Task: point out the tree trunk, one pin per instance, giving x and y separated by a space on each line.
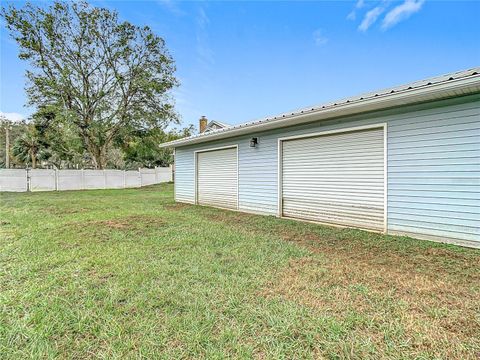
97 152
99 155
34 160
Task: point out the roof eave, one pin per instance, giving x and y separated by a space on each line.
439 91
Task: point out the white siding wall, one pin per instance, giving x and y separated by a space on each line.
433 167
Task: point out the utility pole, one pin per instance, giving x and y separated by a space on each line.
7 146
4 122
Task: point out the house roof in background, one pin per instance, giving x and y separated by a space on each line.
440 87
218 123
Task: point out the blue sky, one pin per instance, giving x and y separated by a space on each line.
240 61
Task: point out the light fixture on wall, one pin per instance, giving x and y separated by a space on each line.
253 142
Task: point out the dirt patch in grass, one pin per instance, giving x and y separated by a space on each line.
233 218
155 187
100 277
121 224
176 206
54 210
135 224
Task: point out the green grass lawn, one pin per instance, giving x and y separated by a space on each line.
129 273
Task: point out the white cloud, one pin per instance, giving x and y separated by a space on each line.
171 6
360 4
352 15
319 38
204 51
401 12
12 116
370 17
202 18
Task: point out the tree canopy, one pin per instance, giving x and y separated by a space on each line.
105 82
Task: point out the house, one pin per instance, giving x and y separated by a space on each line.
208 127
404 160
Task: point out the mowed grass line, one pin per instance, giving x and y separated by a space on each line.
131 274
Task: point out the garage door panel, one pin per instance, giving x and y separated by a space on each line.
338 193
352 180
338 152
338 162
332 187
336 141
217 178
336 178
339 219
310 204
351 208
334 149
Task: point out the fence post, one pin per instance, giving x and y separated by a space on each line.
56 179
83 179
124 179
156 175
140 175
104 179
171 172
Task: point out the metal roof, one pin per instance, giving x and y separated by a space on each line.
450 85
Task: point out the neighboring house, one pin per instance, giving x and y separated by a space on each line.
208 127
215 125
405 160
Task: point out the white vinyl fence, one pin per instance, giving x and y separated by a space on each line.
51 180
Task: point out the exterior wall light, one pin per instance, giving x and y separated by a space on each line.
253 142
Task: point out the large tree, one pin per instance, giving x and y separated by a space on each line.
142 147
103 74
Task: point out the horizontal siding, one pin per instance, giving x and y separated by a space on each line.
435 189
433 167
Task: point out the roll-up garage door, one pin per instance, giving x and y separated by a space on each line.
217 178
336 178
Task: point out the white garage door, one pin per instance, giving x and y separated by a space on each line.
337 178
217 178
